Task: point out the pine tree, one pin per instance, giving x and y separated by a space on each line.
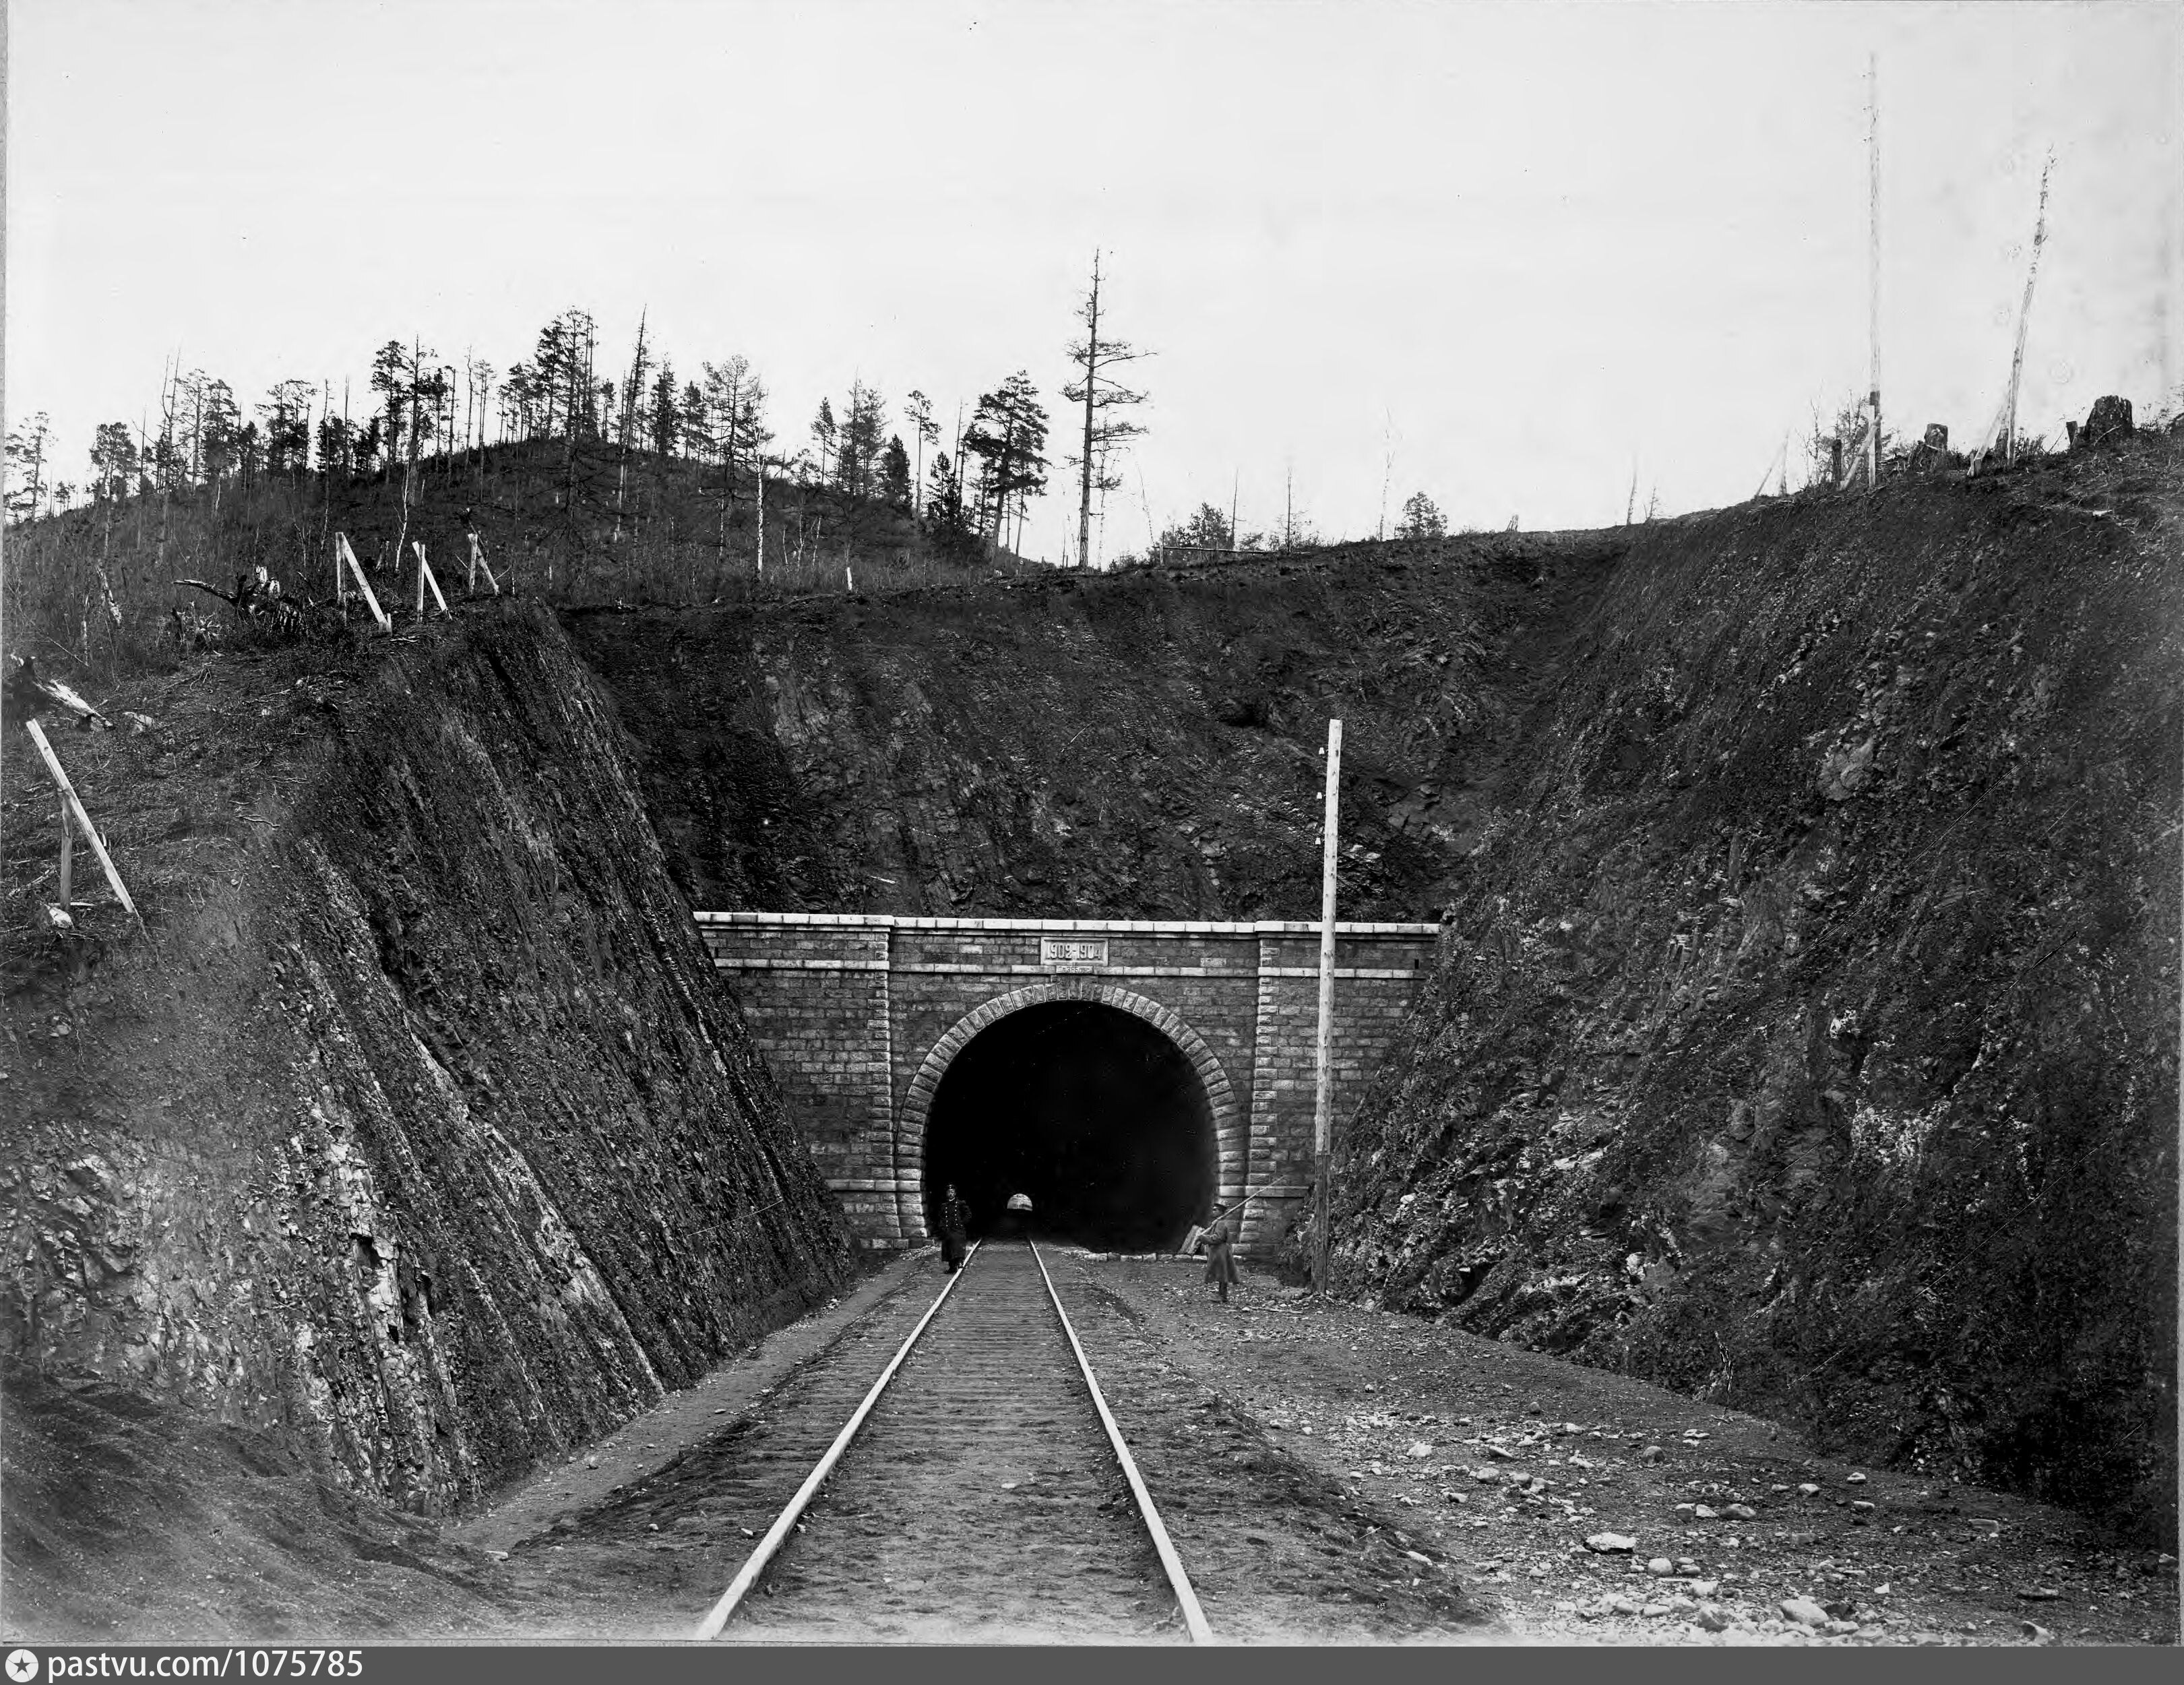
1421 519
857 453
919 408
219 429
697 435
947 524
113 461
392 375
287 413
894 483
1008 436
1208 529
667 416
27 448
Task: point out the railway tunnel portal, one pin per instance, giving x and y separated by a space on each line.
1127 1075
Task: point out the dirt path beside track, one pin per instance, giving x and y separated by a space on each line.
1506 1462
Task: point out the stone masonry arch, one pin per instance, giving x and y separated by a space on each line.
857 1014
1228 1121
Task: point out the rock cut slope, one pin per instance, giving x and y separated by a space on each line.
1808 1037
416 1128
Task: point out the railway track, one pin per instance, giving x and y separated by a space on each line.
980 1489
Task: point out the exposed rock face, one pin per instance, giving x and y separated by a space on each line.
422 1130
1810 1043
1144 747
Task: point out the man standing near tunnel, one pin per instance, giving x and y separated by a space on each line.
955 1226
1221 1255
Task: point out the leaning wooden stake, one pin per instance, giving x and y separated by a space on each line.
426 576
1323 1106
67 864
478 566
2023 317
82 818
356 569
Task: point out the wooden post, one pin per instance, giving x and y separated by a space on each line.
1323 1106
386 620
67 844
427 576
75 805
2024 316
478 564
1873 275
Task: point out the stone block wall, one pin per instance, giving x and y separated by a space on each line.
858 1015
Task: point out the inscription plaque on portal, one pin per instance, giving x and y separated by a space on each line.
1073 953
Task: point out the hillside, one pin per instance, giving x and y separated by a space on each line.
570 524
1808 1041
413 1127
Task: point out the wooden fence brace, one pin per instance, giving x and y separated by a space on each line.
67 866
478 561
82 818
427 576
386 620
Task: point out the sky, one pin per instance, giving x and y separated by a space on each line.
1518 257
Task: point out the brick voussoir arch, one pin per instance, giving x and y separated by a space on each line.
1228 1122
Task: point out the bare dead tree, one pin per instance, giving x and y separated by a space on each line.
1098 392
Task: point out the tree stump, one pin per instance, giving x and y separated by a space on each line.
2110 420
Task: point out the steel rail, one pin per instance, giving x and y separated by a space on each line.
1194 1617
710 1627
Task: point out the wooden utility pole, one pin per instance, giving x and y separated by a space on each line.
1323 1105
1873 267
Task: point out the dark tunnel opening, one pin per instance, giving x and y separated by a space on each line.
1092 1113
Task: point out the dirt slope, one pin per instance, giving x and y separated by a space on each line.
1809 1039
414 1127
1144 746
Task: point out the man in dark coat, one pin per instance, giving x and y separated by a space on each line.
955 1227
1221 1257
